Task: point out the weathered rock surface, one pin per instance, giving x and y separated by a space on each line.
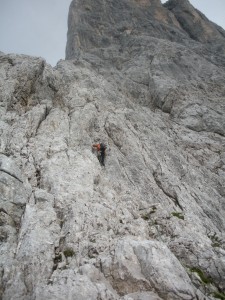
195 23
148 226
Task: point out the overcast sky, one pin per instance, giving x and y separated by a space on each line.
39 27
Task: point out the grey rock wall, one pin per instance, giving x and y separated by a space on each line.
195 23
148 225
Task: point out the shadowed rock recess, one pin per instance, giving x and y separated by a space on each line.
148 80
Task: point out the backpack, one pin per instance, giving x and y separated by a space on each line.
102 147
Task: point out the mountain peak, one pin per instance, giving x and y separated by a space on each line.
105 24
194 22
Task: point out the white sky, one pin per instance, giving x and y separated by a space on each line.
39 27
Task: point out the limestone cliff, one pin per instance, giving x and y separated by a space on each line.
148 80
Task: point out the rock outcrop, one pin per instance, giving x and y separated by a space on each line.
150 225
195 23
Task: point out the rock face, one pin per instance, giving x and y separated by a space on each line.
195 23
150 225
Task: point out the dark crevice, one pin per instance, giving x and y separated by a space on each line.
12 175
37 173
38 177
4 211
46 113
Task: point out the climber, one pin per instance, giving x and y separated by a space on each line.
100 147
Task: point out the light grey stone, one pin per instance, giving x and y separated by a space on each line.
148 265
9 167
142 296
148 225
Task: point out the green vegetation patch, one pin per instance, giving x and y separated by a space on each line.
219 295
203 277
216 241
153 210
147 215
178 215
69 252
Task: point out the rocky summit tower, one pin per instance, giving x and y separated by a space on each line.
147 80
118 25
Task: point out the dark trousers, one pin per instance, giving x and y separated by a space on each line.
101 158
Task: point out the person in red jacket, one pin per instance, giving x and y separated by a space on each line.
100 147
